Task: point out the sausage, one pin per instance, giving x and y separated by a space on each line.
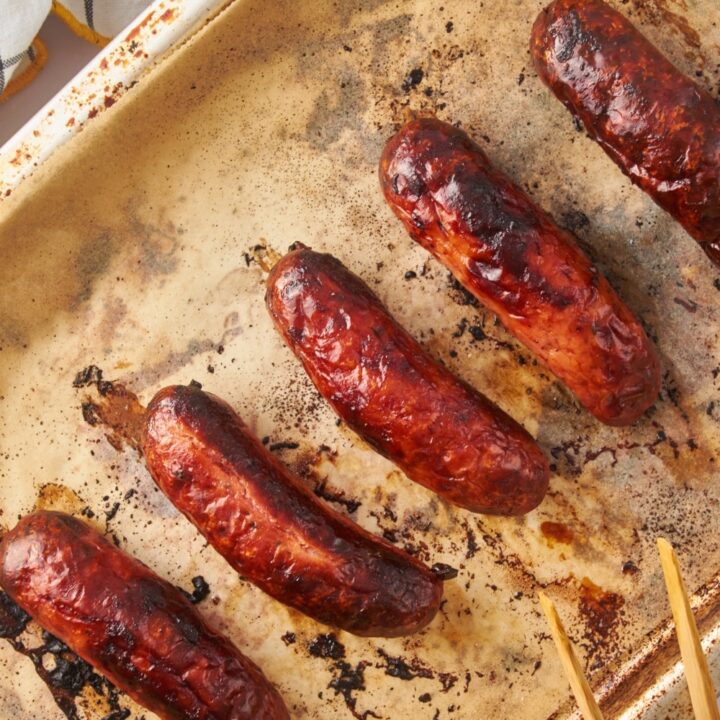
661 128
272 529
513 258
135 628
437 429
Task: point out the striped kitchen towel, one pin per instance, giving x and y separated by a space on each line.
98 20
22 53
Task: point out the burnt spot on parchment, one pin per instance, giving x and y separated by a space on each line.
156 243
557 532
326 646
346 11
575 221
294 406
444 571
306 465
338 497
602 614
413 79
13 619
148 247
112 406
92 261
154 372
114 312
337 123
337 110
69 679
60 498
459 294
346 680
200 590
289 638
414 532
403 668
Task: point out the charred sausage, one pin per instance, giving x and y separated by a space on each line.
272 529
661 128
441 432
132 626
513 257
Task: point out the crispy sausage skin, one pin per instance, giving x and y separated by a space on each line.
661 128
441 432
514 258
135 628
272 529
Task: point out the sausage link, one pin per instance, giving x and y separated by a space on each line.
659 126
441 432
272 529
514 258
132 626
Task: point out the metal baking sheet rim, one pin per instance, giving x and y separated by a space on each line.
655 671
97 87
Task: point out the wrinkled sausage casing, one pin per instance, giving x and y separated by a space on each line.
659 126
135 628
441 432
514 258
272 529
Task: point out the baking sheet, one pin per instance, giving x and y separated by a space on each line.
136 248
99 84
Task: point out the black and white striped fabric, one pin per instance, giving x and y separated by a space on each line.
105 17
20 21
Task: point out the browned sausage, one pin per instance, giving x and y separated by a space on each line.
511 255
272 529
132 626
441 432
661 128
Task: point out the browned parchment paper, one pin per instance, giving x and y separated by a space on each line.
135 248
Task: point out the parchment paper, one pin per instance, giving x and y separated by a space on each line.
135 248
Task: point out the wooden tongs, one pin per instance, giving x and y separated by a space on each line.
702 691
